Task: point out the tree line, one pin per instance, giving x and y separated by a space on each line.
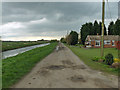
96 28
92 29
114 28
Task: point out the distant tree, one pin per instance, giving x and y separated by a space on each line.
111 28
41 40
80 41
91 29
100 28
105 30
63 40
84 32
69 39
54 40
114 28
96 28
117 27
72 38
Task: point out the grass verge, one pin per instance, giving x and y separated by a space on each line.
14 68
87 54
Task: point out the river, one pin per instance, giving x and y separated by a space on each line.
15 52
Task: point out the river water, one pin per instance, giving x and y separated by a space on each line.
15 52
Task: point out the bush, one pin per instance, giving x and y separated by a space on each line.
96 59
109 59
63 40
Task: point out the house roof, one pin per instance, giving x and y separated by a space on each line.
98 37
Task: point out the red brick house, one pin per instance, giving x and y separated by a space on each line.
118 45
110 41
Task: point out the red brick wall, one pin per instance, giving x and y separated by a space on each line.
118 45
110 45
105 46
93 44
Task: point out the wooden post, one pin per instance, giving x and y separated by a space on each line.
102 36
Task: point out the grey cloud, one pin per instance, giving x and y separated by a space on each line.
61 16
71 11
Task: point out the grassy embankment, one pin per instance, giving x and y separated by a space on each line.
86 55
16 67
7 45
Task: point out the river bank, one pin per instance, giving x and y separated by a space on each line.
15 52
10 45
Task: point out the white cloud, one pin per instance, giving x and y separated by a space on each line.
13 25
10 29
43 20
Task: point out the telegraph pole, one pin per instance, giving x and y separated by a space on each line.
102 36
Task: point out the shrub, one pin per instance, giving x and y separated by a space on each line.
95 59
102 60
98 59
116 60
63 40
109 59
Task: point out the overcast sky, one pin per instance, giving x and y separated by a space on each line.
44 20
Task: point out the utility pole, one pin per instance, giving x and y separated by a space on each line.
67 32
102 36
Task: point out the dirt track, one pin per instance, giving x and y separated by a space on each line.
63 69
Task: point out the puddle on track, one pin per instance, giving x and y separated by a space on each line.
43 72
46 70
78 67
72 65
77 78
56 67
67 62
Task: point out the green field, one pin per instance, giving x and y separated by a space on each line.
14 68
86 56
9 45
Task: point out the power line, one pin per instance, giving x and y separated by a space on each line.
109 10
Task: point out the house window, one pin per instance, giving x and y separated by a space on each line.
88 43
107 42
113 42
97 43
